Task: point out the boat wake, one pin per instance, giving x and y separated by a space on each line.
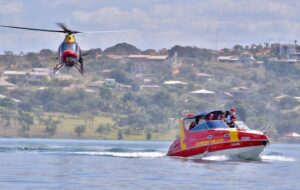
91 151
216 158
264 158
135 152
125 154
277 157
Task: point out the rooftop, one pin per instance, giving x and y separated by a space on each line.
171 82
202 91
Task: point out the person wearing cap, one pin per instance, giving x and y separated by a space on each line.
231 117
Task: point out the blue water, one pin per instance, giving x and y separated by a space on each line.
129 165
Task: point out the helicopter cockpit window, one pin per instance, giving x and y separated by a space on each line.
69 46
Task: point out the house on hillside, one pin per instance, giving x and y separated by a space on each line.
239 91
150 87
283 51
174 82
205 76
8 85
115 57
203 92
226 96
36 75
247 58
244 58
149 58
109 83
228 59
141 63
10 98
291 137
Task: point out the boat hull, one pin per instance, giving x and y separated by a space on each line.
241 149
215 137
247 144
248 153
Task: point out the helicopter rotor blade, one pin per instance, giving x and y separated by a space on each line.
35 29
66 29
106 31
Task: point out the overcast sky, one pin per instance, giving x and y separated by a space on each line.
157 23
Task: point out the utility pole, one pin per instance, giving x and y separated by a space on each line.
216 39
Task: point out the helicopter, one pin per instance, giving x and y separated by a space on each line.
69 52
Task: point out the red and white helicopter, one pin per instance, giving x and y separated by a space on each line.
69 52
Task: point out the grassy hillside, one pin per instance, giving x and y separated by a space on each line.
140 105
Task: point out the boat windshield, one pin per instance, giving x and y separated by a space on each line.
210 125
216 124
241 125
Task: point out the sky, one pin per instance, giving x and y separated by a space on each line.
157 24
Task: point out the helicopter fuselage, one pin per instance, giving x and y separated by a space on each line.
69 54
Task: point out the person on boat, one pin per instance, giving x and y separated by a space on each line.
210 117
221 116
231 117
194 123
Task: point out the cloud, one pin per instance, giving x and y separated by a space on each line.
164 23
111 17
56 3
12 7
192 22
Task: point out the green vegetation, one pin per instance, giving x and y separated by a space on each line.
70 109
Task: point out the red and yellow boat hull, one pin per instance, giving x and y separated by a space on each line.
246 144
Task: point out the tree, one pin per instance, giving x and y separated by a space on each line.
51 126
25 106
9 58
106 93
8 103
157 115
103 129
121 77
162 98
238 48
26 120
120 134
46 52
148 134
80 129
128 97
138 121
33 59
5 117
122 49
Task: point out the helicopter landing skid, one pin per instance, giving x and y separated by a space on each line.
57 67
79 68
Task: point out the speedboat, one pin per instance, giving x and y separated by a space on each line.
215 137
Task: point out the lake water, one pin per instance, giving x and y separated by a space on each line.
129 165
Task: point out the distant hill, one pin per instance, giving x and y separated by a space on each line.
94 52
122 49
192 52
